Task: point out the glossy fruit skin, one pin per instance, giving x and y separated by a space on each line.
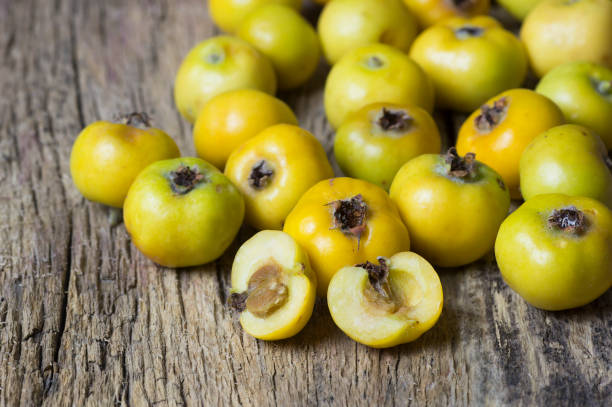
374 73
106 158
287 39
348 24
552 269
345 294
365 150
560 31
451 222
519 8
299 161
430 12
310 223
569 160
466 70
571 86
302 283
233 117
218 65
228 14
182 230
528 115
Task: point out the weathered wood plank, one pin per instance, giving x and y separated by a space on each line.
87 320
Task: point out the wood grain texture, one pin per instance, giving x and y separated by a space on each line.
86 320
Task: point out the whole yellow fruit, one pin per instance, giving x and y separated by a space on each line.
287 39
560 31
228 14
375 73
233 117
348 24
106 157
218 65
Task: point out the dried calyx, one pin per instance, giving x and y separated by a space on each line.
379 292
349 215
468 31
603 87
570 220
463 5
460 167
374 62
135 119
265 293
261 174
185 179
215 57
608 161
393 119
491 115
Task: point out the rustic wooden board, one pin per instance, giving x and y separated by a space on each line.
87 320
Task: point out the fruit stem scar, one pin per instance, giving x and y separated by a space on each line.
185 179
491 115
374 62
349 215
379 292
460 167
134 118
468 31
265 293
261 175
393 119
570 220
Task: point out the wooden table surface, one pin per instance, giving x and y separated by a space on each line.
85 319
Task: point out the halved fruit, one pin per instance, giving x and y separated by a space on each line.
388 304
273 286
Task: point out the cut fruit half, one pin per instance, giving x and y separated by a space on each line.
273 286
388 304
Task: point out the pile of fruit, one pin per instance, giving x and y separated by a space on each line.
349 238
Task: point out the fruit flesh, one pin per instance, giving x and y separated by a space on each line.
417 293
277 250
